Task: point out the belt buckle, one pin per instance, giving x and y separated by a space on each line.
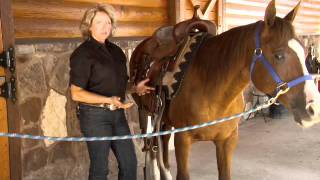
111 107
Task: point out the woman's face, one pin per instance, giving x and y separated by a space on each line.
101 27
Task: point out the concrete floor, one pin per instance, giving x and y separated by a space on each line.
277 150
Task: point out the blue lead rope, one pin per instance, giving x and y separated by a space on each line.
137 136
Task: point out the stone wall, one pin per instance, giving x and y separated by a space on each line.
46 109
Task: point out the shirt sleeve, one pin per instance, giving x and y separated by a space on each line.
80 69
126 65
123 57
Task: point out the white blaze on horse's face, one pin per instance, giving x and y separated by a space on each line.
310 90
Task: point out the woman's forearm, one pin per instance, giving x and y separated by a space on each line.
81 95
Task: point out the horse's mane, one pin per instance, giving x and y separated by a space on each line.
231 48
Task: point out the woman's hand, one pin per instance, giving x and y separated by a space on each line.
127 105
142 89
116 102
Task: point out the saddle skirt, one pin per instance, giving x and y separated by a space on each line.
173 78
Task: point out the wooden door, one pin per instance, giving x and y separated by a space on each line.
10 158
4 142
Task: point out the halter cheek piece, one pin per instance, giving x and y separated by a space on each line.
258 56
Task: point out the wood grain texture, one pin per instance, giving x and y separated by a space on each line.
41 29
65 11
10 116
307 21
4 142
208 9
140 3
60 19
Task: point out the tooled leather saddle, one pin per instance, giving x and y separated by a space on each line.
159 55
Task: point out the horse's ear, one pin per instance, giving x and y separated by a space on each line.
290 17
270 14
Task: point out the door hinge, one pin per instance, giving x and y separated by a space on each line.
8 90
7 59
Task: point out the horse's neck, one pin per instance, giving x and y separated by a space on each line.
231 58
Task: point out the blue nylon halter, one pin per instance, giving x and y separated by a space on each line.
258 56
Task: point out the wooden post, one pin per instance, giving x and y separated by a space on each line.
220 15
4 142
180 10
211 4
10 168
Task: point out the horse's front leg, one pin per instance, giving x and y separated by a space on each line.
224 153
165 172
182 143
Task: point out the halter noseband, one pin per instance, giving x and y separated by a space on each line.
258 56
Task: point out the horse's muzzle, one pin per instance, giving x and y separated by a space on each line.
313 111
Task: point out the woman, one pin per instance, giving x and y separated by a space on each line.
98 78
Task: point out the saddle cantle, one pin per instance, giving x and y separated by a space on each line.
162 53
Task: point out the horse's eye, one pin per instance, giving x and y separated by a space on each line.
279 57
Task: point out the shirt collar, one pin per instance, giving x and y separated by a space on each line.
95 42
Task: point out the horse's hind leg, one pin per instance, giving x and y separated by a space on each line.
224 152
182 143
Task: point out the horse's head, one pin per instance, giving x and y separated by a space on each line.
278 47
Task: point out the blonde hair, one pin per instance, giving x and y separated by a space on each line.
88 16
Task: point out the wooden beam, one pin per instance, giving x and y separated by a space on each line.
209 7
212 15
182 8
220 14
44 29
67 11
139 3
137 29
61 19
173 12
10 117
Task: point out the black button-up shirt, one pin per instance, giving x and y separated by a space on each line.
99 68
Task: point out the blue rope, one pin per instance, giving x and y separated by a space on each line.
136 136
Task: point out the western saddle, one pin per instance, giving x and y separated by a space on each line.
157 55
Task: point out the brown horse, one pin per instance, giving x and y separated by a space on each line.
213 85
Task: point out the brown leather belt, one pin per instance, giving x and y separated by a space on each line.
102 105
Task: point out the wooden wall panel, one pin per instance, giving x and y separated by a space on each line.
240 12
214 12
141 3
36 19
188 9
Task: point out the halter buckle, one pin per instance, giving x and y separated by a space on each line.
282 88
257 52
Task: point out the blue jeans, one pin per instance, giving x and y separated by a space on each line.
95 121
